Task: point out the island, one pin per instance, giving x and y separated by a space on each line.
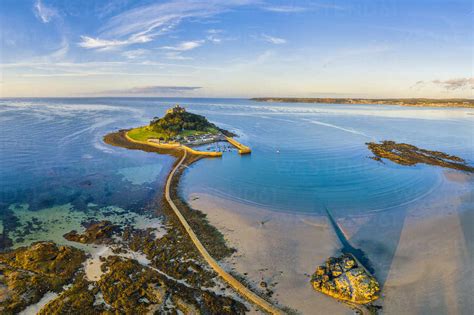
180 129
414 102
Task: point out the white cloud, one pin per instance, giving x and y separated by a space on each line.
213 36
297 9
43 12
273 40
152 20
214 31
284 9
185 46
136 53
105 44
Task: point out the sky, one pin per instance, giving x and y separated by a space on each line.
237 48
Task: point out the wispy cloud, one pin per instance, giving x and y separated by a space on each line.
185 46
149 21
136 53
284 9
273 40
46 69
456 84
104 44
302 8
213 36
43 12
449 85
153 90
60 52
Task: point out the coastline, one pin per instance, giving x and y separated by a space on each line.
409 102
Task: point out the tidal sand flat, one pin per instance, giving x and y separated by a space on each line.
276 252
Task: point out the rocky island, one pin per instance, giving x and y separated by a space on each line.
407 154
180 129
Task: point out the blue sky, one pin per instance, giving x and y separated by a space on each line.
237 48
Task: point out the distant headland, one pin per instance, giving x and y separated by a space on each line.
415 102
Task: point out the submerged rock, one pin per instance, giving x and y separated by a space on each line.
96 233
342 278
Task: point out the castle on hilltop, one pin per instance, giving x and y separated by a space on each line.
176 110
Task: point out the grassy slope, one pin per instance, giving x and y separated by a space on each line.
144 133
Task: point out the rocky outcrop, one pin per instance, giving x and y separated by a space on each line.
28 273
342 278
407 154
96 233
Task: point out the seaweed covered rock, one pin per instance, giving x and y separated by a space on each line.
343 279
133 288
80 298
28 273
407 154
96 233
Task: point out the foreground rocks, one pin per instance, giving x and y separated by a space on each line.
127 287
407 154
28 273
343 279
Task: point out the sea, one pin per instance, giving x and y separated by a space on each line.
56 171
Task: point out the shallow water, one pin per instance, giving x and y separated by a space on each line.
305 156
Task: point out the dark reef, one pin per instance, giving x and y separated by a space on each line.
407 154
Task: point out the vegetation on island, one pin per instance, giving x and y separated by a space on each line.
176 124
407 154
420 102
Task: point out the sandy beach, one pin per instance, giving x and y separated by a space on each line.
280 249
432 270
429 272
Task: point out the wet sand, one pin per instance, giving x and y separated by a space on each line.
433 268
279 249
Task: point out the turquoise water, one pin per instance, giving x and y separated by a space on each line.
305 156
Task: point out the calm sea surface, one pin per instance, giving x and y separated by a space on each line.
305 156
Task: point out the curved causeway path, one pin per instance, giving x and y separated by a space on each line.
239 287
